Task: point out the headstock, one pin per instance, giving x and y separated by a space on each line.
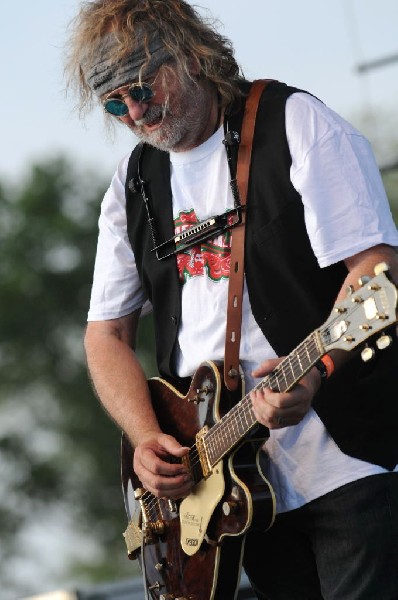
365 313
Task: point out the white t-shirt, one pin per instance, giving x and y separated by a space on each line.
346 211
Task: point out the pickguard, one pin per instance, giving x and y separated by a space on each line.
196 510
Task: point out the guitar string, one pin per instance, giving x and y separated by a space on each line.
243 408
288 364
291 363
274 381
282 371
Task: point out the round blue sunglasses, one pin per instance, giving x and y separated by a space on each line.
139 92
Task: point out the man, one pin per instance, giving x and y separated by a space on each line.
317 220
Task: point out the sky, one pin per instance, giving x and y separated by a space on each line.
313 44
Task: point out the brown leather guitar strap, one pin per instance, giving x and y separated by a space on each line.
236 275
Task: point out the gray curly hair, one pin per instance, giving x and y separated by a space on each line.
124 34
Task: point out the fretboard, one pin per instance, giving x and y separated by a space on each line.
233 426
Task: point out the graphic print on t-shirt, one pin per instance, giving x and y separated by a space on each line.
211 258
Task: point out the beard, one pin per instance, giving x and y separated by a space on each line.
181 125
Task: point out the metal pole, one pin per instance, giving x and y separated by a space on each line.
376 63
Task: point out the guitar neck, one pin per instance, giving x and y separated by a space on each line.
233 426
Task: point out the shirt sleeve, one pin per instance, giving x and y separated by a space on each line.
335 172
116 289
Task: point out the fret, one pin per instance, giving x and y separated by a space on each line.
284 368
265 383
229 430
300 361
294 366
250 419
307 352
295 372
237 426
303 359
244 424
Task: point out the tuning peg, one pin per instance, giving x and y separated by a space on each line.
380 268
367 354
383 342
375 287
363 280
382 316
349 290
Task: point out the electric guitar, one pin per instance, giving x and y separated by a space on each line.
192 549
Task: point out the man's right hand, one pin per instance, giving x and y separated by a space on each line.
156 469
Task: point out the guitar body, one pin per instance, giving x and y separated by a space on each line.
194 549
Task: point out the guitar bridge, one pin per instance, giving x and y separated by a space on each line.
152 523
203 458
153 529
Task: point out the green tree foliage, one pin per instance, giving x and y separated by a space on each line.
59 451
390 180
379 126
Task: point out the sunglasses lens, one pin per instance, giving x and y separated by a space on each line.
116 107
141 93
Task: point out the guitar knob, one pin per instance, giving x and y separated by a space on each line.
367 354
383 342
230 508
171 597
161 566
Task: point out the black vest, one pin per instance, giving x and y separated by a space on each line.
289 294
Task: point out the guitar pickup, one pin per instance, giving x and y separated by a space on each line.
199 469
201 448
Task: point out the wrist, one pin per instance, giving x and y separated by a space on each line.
325 367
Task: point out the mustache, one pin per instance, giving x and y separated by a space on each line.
154 113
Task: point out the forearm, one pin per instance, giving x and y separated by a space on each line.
119 379
121 385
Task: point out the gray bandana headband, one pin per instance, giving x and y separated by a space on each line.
105 76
